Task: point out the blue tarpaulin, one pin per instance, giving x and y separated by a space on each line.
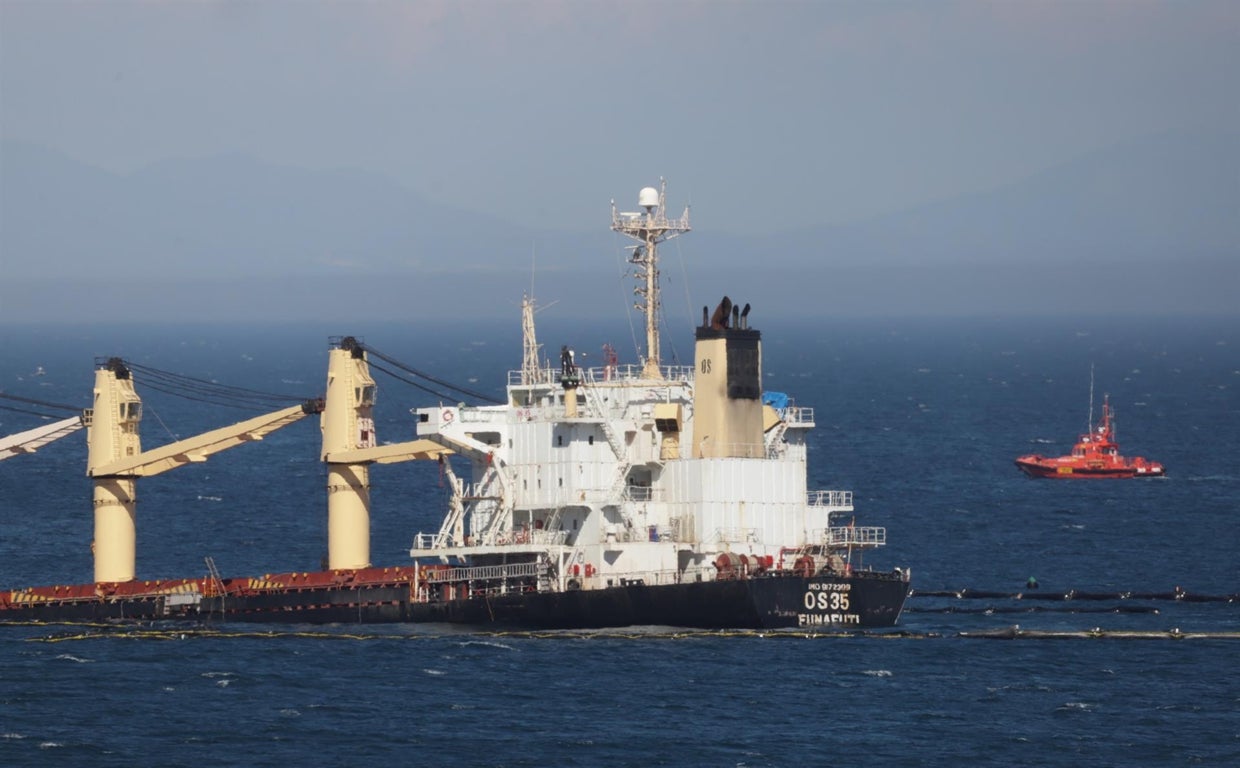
777 400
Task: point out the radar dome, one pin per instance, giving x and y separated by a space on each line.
648 197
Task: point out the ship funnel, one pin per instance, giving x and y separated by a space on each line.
727 390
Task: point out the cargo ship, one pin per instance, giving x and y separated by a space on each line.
620 495
1094 456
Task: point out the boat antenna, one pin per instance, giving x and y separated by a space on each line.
531 365
1089 426
533 265
649 229
529 342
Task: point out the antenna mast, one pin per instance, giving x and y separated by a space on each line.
1089 425
649 229
529 361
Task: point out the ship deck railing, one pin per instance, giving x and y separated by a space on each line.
607 374
643 493
536 536
605 495
433 541
796 416
486 572
176 597
615 533
841 501
484 584
852 536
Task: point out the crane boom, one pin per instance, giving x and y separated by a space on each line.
198 448
34 439
413 450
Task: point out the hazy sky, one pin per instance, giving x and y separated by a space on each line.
762 115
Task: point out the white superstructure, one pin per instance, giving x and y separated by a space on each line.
601 477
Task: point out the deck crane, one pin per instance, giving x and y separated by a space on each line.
349 447
115 460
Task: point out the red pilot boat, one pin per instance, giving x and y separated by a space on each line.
1095 455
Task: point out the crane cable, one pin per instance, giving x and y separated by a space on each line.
32 401
415 372
441 395
213 393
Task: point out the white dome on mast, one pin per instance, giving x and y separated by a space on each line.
649 230
648 198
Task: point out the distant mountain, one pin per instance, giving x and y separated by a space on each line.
1169 198
1147 227
233 215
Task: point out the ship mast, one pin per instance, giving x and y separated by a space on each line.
649 229
529 361
1089 425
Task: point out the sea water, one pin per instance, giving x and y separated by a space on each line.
921 419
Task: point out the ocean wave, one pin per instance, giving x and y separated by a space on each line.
71 657
487 643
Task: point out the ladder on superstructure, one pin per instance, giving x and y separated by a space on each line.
613 439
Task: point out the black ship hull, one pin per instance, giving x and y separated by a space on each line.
860 600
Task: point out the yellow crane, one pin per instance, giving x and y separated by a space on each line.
349 447
116 459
